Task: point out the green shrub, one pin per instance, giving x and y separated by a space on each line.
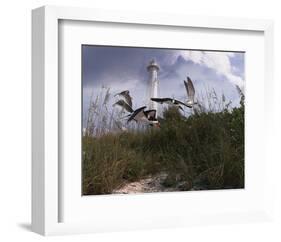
202 151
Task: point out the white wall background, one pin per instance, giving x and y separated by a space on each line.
15 127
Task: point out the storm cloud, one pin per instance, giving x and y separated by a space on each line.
124 68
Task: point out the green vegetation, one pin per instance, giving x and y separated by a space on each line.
202 151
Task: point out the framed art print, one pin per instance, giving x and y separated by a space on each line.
145 129
148 121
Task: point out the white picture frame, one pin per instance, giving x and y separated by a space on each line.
46 113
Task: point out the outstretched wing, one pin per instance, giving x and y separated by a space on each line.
161 100
128 98
189 89
121 93
124 105
150 114
180 107
182 103
137 114
126 95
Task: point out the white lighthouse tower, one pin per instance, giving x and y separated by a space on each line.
153 84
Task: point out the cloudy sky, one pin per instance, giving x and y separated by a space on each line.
124 68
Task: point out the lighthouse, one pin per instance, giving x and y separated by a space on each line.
153 84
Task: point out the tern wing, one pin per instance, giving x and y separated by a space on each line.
121 93
182 103
137 113
129 100
161 100
126 95
189 89
125 105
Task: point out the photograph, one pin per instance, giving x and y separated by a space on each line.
161 119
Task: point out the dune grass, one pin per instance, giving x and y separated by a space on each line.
202 151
